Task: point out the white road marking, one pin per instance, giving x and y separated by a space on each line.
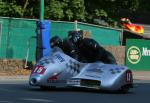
5 102
37 100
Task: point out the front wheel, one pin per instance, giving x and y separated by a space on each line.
44 87
47 87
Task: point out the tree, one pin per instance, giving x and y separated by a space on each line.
109 8
65 10
78 9
54 10
144 5
31 8
70 10
10 9
24 8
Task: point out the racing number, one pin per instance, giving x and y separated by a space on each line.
35 69
39 70
129 77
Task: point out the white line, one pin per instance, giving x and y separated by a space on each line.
38 100
5 102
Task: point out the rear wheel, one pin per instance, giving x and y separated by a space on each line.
126 88
44 87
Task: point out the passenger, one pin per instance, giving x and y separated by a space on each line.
70 49
89 50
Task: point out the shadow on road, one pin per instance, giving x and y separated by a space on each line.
38 89
138 88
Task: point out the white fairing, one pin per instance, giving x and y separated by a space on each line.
63 71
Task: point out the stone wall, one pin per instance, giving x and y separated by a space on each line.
118 52
11 64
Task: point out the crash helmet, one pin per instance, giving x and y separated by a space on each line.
75 36
56 41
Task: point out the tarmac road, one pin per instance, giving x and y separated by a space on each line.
19 91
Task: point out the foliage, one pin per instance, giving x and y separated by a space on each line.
145 5
65 9
70 10
10 9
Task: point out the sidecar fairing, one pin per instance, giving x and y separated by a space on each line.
60 70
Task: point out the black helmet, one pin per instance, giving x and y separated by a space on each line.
75 36
56 41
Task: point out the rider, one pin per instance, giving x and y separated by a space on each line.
56 41
66 45
89 50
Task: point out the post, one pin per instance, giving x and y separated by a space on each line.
43 34
76 25
41 10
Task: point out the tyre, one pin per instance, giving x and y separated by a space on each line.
47 87
125 89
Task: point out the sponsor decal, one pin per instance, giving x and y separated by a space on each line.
46 61
96 70
145 51
59 57
93 76
134 54
73 67
113 72
54 77
116 70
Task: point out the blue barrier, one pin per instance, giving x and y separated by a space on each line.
43 38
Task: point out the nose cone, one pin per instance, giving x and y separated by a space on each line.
35 80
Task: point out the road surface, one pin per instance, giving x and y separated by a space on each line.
21 92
